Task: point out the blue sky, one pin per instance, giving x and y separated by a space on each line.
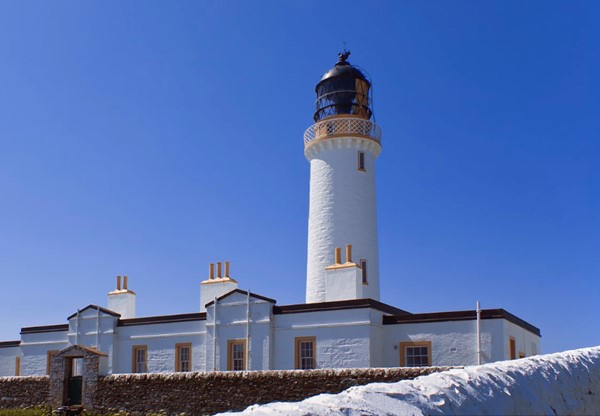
152 138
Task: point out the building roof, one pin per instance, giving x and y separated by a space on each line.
8 344
163 319
339 305
459 316
44 328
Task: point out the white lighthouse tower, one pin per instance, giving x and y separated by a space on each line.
342 147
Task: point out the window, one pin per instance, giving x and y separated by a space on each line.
363 266
139 359
305 353
18 366
183 357
512 348
77 367
236 355
361 161
415 354
49 356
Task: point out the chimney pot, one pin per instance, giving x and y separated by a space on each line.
227 269
338 255
125 282
219 274
348 253
211 272
118 282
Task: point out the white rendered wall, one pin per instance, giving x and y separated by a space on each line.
160 340
343 283
34 350
8 356
232 323
452 343
215 288
342 210
94 329
525 342
342 338
123 303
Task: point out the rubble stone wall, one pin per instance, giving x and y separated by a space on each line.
206 393
18 392
202 393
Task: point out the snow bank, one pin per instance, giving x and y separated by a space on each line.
563 383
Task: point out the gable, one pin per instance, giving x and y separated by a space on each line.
238 295
93 311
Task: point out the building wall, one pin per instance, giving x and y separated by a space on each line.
452 343
525 342
342 211
34 350
233 323
347 338
342 338
96 329
377 339
160 340
8 357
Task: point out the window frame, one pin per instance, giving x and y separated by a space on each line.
423 343
297 349
134 361
230 360
178 362
49 355
512 348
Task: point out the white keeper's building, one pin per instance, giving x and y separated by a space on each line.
341 325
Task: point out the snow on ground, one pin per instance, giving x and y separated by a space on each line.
562 383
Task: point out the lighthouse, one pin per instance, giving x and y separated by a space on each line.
342 147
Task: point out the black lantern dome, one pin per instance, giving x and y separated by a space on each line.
344 89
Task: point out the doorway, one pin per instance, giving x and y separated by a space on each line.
74 381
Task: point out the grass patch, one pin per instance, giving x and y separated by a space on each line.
24 412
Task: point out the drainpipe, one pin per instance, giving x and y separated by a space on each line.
98 329
478 334
215 337
77 328
248 356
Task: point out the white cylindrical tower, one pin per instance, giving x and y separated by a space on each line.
342 147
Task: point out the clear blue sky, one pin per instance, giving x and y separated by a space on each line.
152 138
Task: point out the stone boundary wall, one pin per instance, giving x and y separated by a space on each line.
18 392
206 393
203 393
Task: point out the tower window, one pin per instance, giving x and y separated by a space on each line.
363 266
361 161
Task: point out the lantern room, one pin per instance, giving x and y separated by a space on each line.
343 90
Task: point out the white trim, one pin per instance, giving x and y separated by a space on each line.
330 325
264 321
72 334
42 343
176 334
